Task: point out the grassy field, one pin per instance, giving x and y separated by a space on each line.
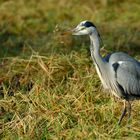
49 88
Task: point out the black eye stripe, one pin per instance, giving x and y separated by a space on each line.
88 24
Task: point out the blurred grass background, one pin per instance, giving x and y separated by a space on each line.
48 85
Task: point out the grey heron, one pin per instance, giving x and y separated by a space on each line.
118 72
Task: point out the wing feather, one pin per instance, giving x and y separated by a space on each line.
128 76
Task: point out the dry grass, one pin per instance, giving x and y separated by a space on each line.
49 88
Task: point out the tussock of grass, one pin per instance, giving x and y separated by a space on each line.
49 88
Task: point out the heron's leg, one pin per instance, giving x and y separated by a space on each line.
129 109
123 113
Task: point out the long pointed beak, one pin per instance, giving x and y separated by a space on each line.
69 32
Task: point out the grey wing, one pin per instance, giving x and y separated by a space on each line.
127 74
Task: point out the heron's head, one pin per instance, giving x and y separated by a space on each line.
84 28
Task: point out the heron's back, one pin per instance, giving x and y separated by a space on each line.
119 56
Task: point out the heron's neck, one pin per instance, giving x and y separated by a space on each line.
100 64
95 49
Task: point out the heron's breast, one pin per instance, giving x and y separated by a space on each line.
101 78
115 93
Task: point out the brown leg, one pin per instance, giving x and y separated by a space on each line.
123 113
129 109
